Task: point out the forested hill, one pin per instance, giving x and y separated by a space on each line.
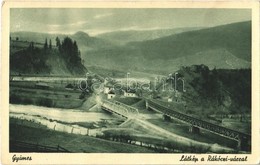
216 91
61 58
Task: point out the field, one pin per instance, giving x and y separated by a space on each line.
20 45
37 134
52 95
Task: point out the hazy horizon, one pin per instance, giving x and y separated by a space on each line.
98 21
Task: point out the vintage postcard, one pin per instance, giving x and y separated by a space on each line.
118 82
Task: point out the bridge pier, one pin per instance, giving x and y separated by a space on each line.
166 117
146 105
194 129
244 144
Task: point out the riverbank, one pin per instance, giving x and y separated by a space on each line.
70 121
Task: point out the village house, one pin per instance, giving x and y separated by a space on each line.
169 99
111 94
107 89
130 93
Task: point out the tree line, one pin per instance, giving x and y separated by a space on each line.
228 88
66 48
36 56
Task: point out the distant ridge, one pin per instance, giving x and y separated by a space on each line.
226 46
124 37
84 41
209 46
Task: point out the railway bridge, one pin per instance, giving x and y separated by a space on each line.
244 140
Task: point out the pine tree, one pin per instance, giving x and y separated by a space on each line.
58 44
45 44
50 45
69 49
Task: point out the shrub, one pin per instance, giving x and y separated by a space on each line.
14 99
45 102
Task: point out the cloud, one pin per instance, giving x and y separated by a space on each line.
95 31
99 16
138 28
79 23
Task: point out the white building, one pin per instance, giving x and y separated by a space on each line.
129 94
106 90
111 94
170 99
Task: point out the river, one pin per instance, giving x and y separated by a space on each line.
59 119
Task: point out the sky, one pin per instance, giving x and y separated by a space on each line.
97 21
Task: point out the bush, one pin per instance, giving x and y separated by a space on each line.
45 102
27 101
69 86
15 99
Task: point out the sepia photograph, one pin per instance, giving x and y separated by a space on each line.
139 80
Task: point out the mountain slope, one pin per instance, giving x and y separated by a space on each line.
89 43
225 59
217 46
236 38
123 37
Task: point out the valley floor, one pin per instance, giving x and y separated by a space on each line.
74 113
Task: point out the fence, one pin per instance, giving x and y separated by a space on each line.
19 146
